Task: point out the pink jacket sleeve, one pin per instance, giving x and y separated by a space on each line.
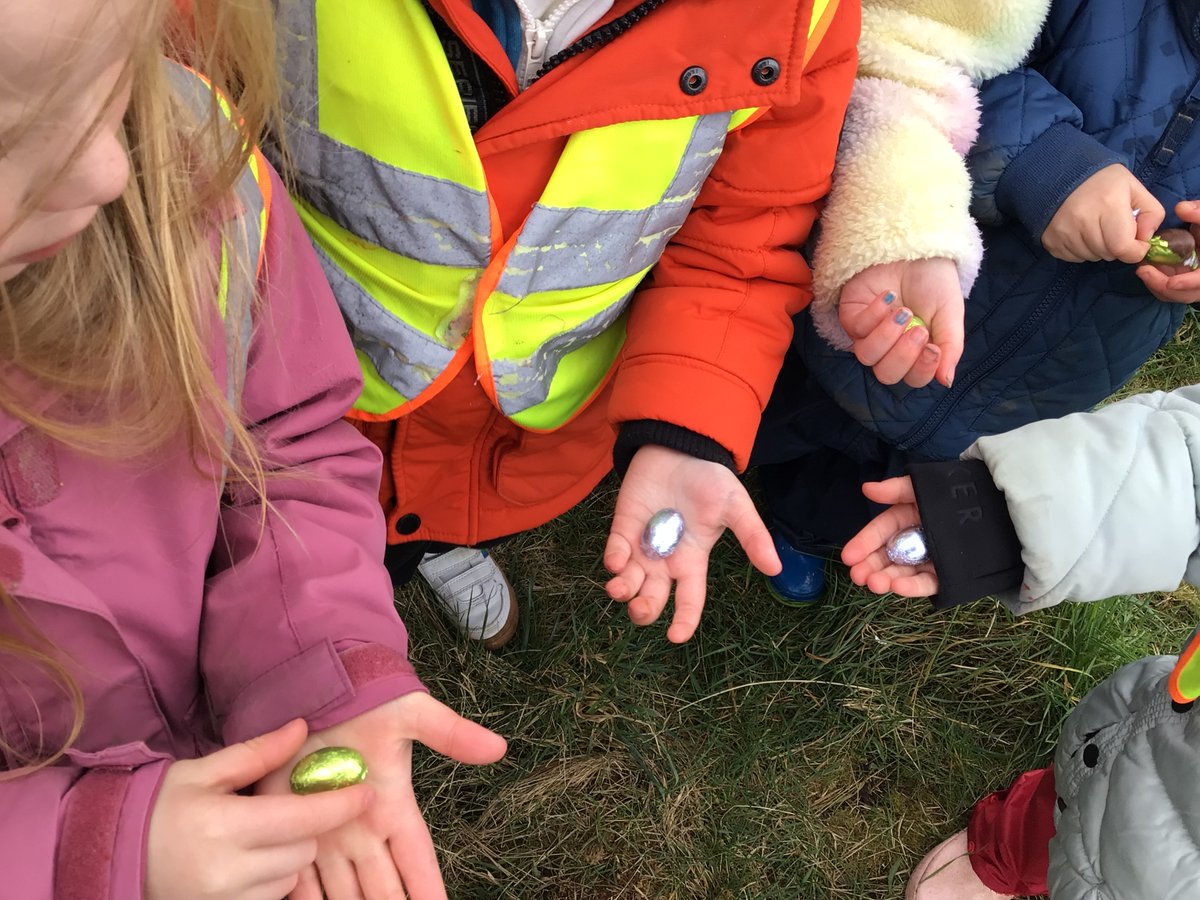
73 833
299 619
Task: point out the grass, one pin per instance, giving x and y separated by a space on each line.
812 753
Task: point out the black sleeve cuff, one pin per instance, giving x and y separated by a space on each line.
970 535
632 436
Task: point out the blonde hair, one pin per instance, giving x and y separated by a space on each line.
119 326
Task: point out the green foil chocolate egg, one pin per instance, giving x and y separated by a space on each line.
915 322
328 770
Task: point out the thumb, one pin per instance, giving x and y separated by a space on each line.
241 765
444 731
1151 214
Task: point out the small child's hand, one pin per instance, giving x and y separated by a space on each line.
1175 284
386 851
865 554
882 329
207 841
711 498
1097 222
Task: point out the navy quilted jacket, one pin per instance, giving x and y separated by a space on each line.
1108 81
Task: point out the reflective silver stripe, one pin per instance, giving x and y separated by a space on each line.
405 358
565 248
527 383
242 258
416 216
242 285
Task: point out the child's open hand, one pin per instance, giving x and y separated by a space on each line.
1096 221
865 555
879 326
207 842
711 499
386 852
1175 284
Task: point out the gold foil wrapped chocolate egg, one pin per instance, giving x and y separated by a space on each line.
327 770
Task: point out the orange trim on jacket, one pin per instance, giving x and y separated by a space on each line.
710 325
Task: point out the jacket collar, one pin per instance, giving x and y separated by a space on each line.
638 74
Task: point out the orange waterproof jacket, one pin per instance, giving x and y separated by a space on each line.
709 326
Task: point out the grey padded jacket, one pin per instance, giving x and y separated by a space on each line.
1108 503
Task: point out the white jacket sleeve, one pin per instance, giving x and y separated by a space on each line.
901 189
1103 503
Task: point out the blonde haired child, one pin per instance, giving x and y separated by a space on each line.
191 541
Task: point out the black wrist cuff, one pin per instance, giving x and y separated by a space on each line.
636 434
970 535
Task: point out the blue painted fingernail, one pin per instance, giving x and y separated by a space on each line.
889 298
903 316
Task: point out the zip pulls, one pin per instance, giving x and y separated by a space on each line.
537 33
596 39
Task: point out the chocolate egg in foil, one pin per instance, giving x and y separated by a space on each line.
907 547
663 533
327 770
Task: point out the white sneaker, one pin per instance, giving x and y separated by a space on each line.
474 593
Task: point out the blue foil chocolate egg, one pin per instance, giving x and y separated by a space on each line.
663 533
907 547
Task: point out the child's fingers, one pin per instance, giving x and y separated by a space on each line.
1159 284
1119 233
277 863
875 534
240 765
279 820
892 348
1151 213
651 600
890 491
872 314
921 372
444 731
747 526
625 586
338 878
308 885
922 583
378 876
616 552
689 605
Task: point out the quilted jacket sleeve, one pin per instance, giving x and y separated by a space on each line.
1104 503
900 177
298 617
1033 149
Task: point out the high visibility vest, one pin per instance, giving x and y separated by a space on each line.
242 254
393 193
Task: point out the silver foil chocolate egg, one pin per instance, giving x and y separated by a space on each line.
907 547
663 533
327 770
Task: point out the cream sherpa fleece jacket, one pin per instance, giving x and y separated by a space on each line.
901 189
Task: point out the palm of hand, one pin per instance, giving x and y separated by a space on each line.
372 841
710 498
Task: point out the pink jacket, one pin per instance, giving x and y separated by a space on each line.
189 626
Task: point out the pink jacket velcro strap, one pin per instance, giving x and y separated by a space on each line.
102 836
